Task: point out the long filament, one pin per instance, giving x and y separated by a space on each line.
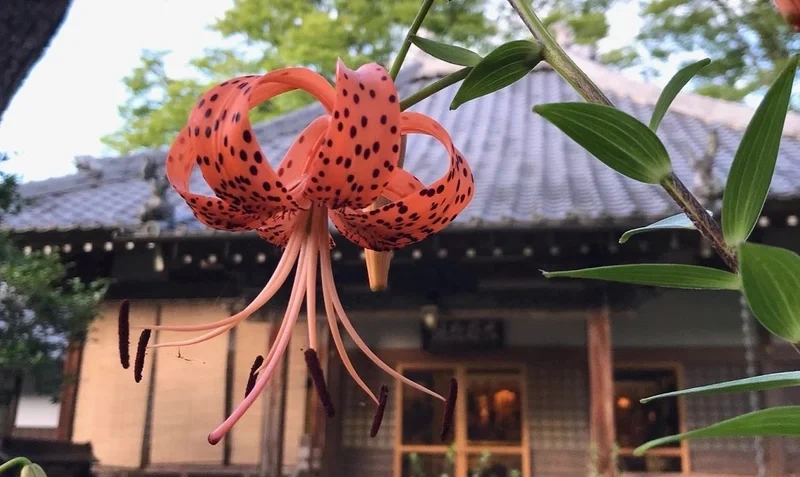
321 233
327 276
286 327
311 278
292 311
274 284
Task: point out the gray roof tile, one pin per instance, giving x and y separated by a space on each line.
527 172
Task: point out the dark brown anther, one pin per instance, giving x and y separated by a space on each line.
251 380
383 397
124 334
138 365
449 409
315 370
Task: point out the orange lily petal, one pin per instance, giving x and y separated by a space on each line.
362 143
211 211
419 214
401 184
232 161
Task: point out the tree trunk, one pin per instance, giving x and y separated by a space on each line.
26 28
10 389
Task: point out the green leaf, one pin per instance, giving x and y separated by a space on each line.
754 163
503 67
756 383
448 53
771 280
618 139
777 421
659 275
671 90
679 221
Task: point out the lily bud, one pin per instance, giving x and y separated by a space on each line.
790 10
33 470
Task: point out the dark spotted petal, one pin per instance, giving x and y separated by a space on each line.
361 146
415 216
211 211
227 151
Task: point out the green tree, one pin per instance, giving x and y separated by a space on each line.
42 309
280 33
748 43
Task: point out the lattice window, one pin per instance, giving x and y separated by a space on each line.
558 407
706 410
357 413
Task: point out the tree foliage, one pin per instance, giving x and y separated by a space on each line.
41 307
278 33
748 42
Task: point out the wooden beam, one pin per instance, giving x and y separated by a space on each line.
601 388
147 433
69 390
271 464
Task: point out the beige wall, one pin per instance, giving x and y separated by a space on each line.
189 394
295 395
251 340
189 391
111 407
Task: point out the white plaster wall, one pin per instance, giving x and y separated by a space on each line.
37 411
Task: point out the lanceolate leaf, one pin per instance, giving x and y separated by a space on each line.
754 162
672 89
659 275
679 221
449 53
503 67
619 140
776 421
756 383
771 283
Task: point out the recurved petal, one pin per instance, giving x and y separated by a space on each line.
361 148
211 211
418 214
230 157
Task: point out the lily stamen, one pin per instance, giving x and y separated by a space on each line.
141 350
251 379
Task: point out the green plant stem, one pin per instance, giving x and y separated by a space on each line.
22 461
401 55
434 88
558 59
705 224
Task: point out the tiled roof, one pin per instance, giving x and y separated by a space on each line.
527 172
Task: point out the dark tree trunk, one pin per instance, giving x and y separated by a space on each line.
26 28
10 390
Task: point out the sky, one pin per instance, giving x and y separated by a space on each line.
70 98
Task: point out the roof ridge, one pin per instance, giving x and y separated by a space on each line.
711 111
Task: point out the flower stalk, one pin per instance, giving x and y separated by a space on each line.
558 59
415 25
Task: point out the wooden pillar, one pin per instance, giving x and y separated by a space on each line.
601 388
69 390
774 457
271 464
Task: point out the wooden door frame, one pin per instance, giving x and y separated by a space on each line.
462 448
680 379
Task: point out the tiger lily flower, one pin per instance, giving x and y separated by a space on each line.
342 162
